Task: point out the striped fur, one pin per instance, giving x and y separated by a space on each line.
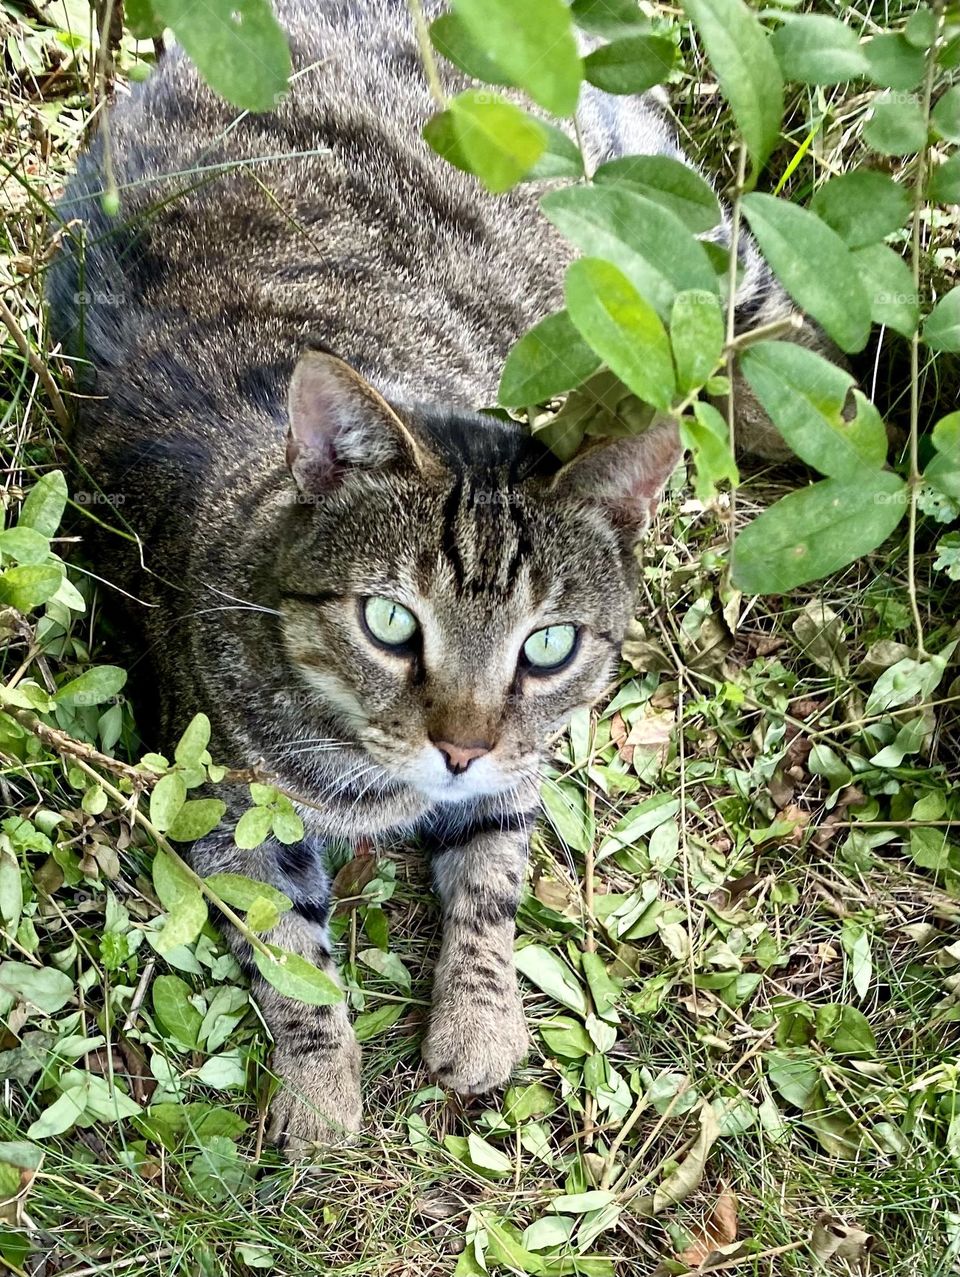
264 524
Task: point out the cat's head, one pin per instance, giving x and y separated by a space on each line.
452 593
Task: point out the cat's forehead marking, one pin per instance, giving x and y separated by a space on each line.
485 539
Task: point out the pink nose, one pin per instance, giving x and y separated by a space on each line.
459 757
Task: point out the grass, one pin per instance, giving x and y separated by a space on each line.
772 1064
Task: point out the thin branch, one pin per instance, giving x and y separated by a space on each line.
426 54
37 365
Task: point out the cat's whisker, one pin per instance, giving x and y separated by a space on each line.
243 604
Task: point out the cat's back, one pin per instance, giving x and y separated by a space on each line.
240 237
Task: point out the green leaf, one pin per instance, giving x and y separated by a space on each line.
891 292
845 1030
896 127
697 336
93 687
287 825
174 1010
566 1038
943 470
560 156
533 43
906 679
387 965
667 182
241 892
263 915
61 1114
707 437
814 265
44 504
863 207
641 819
745 65
182 901
622 328
452 41
549 973
921 28
25 545
794 1074
943 186
548 360
42 988
238 45
503 1247
941 328
893 62
487 136
297 978
168 796
650 245
197 818
946 115
523 1102
11 892
815 531
567 812
194 741
30 585
632 64
253 828
804 395
141 20
816 49
486 1156
604 990
607 17
372 1023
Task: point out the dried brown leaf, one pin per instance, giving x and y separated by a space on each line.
685 1180
833 1239
715 1235
349 883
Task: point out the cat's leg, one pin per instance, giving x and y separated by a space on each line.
477 1029
317 1056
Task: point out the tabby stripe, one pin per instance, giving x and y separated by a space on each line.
439 841
448 535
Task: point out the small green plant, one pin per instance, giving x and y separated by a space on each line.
651 303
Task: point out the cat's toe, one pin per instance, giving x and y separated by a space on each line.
475 1054
318 1103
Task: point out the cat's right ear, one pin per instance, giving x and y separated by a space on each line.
338 422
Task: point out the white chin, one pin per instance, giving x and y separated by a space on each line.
430 777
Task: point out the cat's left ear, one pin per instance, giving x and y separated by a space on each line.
624 476
338 422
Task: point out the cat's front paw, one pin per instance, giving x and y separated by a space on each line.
472 1047
318 1102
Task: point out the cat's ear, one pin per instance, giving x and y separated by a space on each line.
624 476
338 422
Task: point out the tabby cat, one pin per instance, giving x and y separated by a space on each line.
384 599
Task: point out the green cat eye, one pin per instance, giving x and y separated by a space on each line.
389 622
548 648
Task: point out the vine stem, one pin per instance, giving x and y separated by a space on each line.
913 481
165 846
426 54
64 744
